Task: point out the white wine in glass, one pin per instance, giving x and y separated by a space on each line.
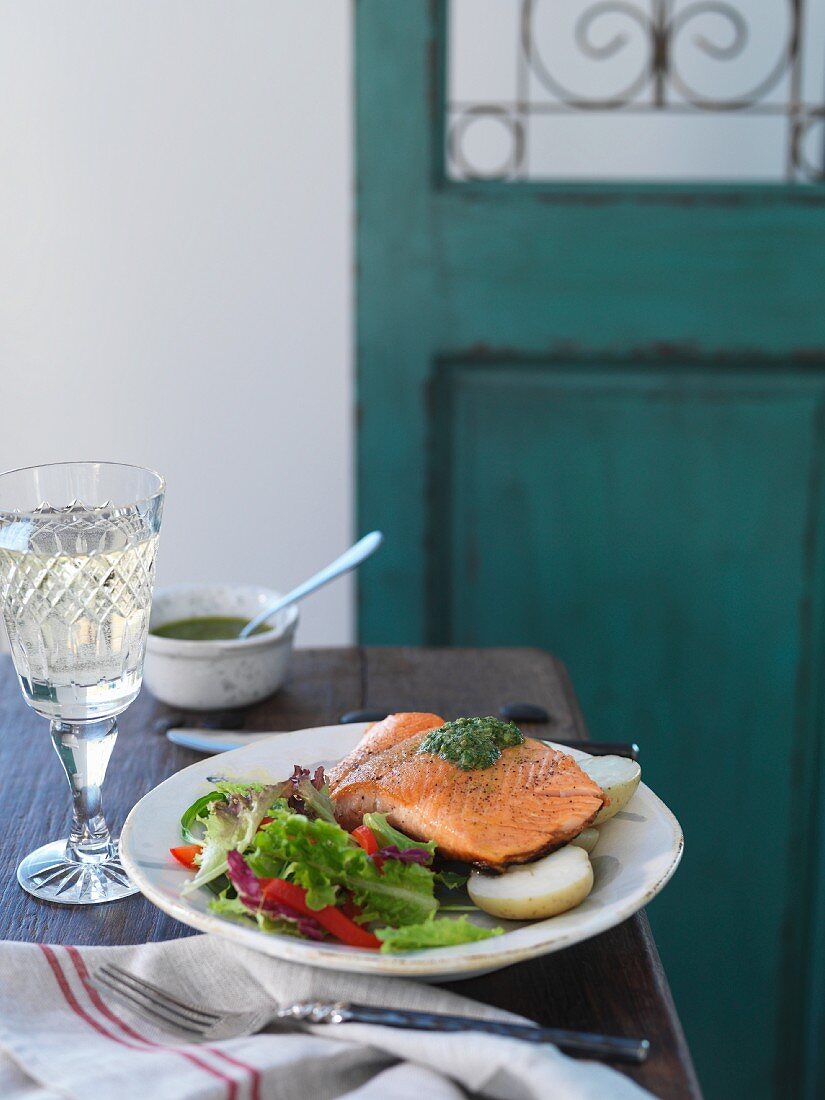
77 559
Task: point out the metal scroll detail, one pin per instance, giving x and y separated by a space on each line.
640 57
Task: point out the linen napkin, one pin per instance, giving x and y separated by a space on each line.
62 1036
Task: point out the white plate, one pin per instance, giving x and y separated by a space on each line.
638 851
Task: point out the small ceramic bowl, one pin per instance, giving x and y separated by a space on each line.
217 675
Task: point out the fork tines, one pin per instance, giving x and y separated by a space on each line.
151 1001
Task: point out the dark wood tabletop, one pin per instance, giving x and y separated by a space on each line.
613 983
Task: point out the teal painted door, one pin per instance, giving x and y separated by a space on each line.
592 418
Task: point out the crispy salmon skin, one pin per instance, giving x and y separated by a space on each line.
532 800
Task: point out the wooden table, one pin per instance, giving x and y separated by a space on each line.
613 983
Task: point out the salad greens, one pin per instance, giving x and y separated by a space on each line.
324 860
231 823
290 868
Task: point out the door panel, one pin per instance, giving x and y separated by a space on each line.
649 526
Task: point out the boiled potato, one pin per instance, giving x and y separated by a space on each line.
618 777
587 839
531 891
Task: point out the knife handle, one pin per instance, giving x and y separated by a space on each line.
601 748
605 1047
363 716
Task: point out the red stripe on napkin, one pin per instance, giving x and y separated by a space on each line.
100 1004
77 1008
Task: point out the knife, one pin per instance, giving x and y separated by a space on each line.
225 740
604 1047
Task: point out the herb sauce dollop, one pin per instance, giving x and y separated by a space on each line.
472 743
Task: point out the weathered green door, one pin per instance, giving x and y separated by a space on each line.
592 418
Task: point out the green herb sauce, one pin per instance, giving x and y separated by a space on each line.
472 743
216 628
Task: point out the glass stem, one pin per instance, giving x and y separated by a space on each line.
84 749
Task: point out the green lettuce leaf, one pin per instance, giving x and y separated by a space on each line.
433 933
387 835
400 893
451 879
230 824
313 854
233 786
316 801
195 815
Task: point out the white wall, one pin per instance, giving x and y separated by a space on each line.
175 269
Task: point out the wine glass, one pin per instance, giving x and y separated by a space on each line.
77 565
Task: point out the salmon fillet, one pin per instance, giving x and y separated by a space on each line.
530 802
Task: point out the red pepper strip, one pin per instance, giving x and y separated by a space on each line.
185 854
366 838
330 918
265 821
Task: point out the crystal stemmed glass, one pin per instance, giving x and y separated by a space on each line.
77 564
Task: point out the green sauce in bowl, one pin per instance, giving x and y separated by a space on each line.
209 628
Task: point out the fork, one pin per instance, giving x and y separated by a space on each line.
158 1006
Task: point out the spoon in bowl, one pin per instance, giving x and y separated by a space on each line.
350 559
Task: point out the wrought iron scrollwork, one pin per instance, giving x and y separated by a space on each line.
514 129
585 43
728 51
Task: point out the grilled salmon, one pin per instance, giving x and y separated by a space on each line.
531 801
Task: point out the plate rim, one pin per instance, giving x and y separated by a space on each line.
473 958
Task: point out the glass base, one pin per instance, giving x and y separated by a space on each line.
50 875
